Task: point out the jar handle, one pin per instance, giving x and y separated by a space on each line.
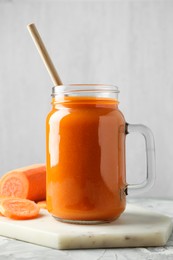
150 158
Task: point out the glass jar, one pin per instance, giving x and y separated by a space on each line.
85 144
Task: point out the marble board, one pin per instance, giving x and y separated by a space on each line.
137 227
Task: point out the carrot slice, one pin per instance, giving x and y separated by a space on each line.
18 208
42 204
28 183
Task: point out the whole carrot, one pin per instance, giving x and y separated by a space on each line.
28 183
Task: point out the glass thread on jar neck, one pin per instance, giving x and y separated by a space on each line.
82 93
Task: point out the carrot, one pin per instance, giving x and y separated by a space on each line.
42 204
27 183
18 208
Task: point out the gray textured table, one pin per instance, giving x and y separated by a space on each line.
13 249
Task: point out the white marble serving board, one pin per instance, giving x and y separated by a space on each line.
136 227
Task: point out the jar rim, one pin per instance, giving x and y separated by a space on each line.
73 88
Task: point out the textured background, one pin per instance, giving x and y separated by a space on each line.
126 43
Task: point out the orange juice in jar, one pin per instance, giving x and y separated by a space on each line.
85 144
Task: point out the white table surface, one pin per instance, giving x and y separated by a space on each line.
11 249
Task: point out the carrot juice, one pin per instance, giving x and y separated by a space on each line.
85 146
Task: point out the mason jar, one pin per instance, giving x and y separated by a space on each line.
85 151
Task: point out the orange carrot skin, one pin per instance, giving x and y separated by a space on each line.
37 183
28 182
19 209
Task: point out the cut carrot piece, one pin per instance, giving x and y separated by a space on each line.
27 183
18 208
42 204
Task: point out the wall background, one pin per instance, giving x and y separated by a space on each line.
126 43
